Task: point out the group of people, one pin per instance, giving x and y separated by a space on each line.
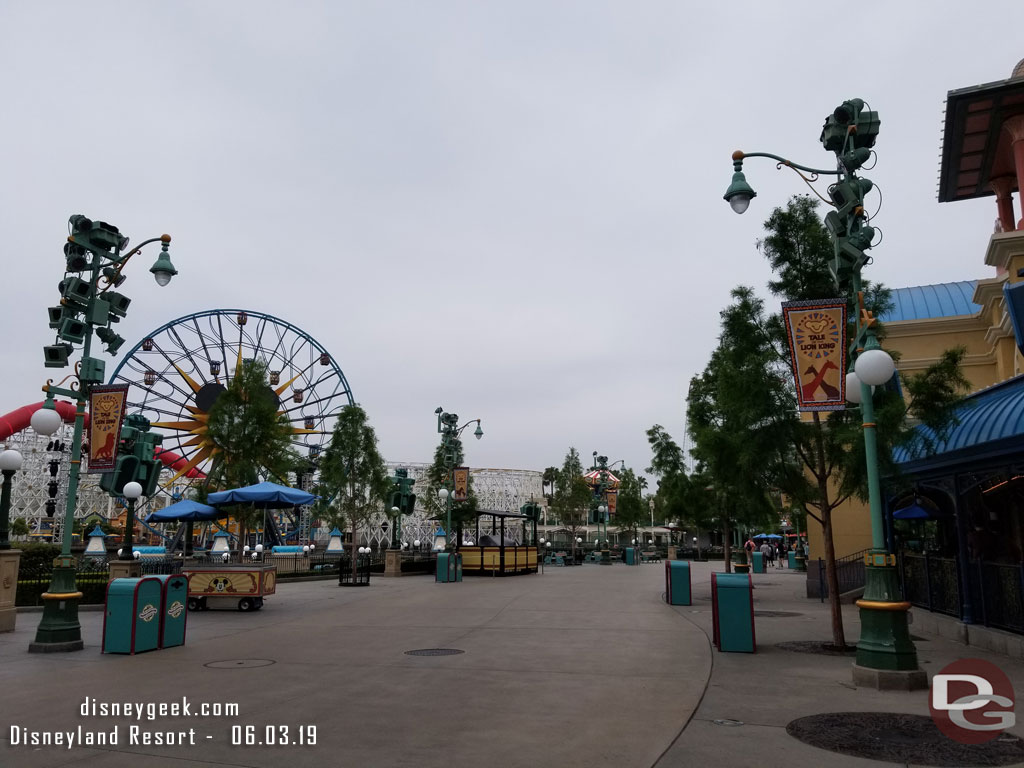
772 552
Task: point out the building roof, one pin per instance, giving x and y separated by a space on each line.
991 425
975 148
925 302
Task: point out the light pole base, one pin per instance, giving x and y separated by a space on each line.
890 679
606 557
8 588
393 562
125 569
885 644
59 630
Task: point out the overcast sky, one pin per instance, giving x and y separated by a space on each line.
509 209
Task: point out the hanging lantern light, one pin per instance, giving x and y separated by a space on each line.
147 345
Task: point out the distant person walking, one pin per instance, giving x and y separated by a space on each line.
768 553
750 547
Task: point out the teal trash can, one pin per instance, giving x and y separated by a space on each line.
631 558
449 567
791 559
732 608
677 582
174 609
758 562
131 617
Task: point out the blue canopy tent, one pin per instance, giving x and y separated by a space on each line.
913 512
186 511
265 495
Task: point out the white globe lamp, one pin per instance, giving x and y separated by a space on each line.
874 367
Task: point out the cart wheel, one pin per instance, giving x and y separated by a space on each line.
194 604
245 604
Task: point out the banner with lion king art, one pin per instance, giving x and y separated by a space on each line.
106 414
817 343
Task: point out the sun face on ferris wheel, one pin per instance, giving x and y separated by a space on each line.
177 373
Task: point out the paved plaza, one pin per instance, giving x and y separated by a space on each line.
576 666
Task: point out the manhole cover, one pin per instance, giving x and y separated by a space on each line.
434 652
816 646
777 614
240 663
898 738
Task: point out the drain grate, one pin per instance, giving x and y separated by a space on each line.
777 614
434 652
898 738
240 663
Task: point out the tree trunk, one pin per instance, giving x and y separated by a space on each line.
836 608
838 636
243 534
727 538
355 568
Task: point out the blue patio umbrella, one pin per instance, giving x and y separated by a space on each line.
184 511
912 512
264 495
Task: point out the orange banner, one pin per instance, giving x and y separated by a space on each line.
106 413
611 497
817 343
461 484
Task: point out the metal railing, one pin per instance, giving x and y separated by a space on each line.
931 582
998 594
91 577
849 573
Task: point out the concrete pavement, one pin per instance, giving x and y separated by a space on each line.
579 666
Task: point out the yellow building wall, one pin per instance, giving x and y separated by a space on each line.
991 357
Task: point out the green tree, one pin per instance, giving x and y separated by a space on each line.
548 481
736 413
572 497
630 512
438 477
352 472
668 466
252 439
19 527
831 466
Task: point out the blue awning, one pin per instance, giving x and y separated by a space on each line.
991 427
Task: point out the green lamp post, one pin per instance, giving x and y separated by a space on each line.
449 429
95 254
600 505
886 657
403 502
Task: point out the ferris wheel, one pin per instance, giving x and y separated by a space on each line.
177 372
